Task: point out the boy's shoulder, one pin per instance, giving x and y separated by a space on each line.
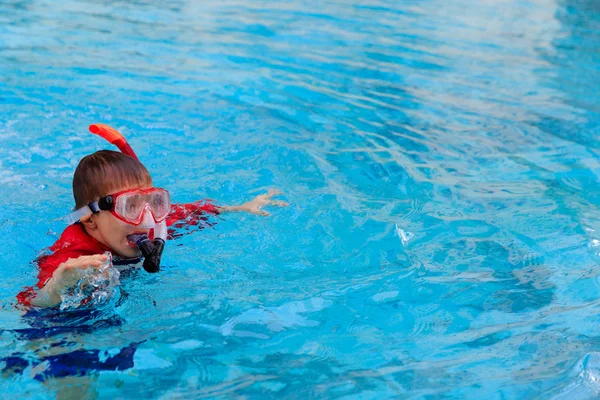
73 242
75 237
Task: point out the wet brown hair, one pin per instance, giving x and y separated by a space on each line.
104 172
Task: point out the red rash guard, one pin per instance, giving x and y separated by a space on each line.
75 242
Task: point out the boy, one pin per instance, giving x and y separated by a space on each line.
135 208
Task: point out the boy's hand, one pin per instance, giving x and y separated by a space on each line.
255 205
67 274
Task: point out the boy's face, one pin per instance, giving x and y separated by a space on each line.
107 229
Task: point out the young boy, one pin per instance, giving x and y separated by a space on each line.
134 208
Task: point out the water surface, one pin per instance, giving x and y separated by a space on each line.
441 161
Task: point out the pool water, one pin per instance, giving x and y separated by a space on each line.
441 160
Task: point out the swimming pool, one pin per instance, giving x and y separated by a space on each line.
440 158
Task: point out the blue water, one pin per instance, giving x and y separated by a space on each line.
441 158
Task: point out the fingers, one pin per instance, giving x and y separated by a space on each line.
92 261
279 203
267 200
99 257
86 261
68 272
255 206
272 192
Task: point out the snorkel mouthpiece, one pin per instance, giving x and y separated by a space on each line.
151 250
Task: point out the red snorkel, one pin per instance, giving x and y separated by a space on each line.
113 136
151 249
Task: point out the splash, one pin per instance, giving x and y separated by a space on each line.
96 286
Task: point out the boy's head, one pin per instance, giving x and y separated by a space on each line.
105 171
100 174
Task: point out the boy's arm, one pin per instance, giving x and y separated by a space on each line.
67 274
196 213
255 205
190 213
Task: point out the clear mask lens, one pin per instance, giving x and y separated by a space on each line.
130 206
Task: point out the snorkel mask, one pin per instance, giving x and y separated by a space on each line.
145 208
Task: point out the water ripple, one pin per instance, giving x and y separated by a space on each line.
442 164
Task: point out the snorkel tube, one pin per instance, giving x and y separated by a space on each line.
113 136
151 249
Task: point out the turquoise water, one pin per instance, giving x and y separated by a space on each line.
441 159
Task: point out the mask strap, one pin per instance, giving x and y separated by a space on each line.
85 211
76 215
